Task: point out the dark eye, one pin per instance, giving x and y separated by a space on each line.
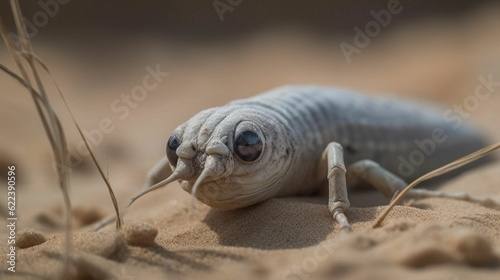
248 145
172 144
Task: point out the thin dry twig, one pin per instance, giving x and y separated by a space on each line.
50 121
437 172
47 115
105 177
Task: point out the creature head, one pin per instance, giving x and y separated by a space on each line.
229 157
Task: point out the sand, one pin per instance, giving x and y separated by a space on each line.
283 238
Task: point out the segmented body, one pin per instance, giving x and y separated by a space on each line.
382 129
291 127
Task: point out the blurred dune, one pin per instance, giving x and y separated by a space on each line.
100 52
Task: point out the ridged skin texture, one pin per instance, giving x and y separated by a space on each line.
297 122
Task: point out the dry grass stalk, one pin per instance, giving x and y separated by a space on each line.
46 113
50 121
437 172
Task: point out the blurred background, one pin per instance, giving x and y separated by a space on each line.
132 71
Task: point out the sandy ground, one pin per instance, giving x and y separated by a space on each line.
286 238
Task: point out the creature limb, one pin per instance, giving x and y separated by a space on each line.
389 184
384 181
159 172
338 201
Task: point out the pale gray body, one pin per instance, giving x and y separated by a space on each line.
367 127
307 136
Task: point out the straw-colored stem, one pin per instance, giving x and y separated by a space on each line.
439 171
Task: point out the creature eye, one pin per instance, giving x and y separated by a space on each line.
172 144
248 145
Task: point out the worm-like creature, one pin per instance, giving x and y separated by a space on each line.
293 140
